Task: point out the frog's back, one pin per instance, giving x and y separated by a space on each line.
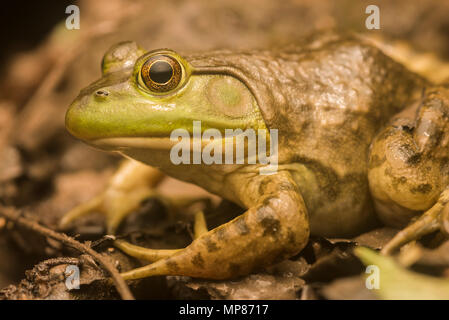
327 96
324 72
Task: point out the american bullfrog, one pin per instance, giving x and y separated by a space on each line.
361 139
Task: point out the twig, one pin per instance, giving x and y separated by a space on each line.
14 215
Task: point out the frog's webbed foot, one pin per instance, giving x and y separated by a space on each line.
152 255
131 184
275 227
432 220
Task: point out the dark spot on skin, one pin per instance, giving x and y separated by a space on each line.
414 159
211 246
263 186
221 234
267 201
395 182
234 268
172 265
198 261
411 157
271 226
241 226
407 129
422 188
268 219
291 237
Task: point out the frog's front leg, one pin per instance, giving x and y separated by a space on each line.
409 169
275 227
130 185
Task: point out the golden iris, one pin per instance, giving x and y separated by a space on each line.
161 73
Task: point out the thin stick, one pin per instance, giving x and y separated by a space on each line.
14 215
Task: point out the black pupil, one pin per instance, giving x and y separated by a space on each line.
161 72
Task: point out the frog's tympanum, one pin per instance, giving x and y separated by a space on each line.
361 139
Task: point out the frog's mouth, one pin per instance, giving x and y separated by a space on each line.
166 143
121 143
155 143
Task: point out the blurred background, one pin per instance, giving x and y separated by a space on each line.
43 66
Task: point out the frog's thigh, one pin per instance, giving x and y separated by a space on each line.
408 170
276 227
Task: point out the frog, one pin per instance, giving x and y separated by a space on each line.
361 141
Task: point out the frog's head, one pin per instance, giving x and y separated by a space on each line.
142 97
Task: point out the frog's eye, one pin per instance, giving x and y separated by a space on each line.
161 73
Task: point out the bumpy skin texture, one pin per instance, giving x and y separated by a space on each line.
328 97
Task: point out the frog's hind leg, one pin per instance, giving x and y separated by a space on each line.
409 168
275 227
430 221
152 255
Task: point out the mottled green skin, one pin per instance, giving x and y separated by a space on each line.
331 97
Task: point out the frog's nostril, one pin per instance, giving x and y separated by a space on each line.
101 93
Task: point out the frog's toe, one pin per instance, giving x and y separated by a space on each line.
437 217
444 220
114 205
142 253
152 255
80 211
